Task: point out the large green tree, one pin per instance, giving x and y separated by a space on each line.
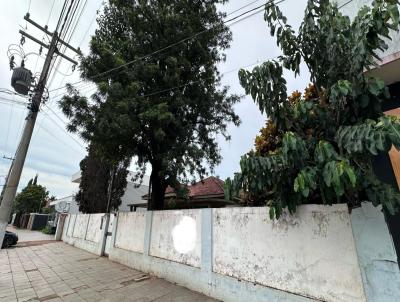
318 147
32 198
161 102
97 177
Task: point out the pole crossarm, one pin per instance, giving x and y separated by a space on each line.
47 46
9 158
33 39
46 31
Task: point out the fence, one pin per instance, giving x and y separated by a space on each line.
239 254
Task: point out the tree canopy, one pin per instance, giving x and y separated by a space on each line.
161 102
32 198
319 146
97 174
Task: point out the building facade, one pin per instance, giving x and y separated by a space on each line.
387 166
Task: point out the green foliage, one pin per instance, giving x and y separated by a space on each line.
332 132
370 137
31 198
96 174
47 210
48 230
166 109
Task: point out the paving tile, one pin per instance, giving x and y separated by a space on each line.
56 272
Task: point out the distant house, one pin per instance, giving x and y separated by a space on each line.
65 205
208 193
133 195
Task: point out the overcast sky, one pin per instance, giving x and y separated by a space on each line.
54 154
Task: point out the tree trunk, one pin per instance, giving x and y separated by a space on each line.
156 201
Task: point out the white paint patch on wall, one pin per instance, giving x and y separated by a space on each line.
93 229
176 236
130 231
80 225
311 253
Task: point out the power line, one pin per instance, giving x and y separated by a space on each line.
344 4
242 7
151 94
249 11
8 91
192 82
21 124
58 139
73 138
169 46
175 87
61 15
8 127
11 101
76 21
71 19
81 88
67 23
51 10
184 40
256 12
66 17
47 23
90 25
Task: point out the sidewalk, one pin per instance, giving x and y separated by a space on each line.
59 272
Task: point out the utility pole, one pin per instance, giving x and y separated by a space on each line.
18 163
6 177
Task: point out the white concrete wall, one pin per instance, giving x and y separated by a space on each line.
83 231
239 254
71 224
81 225
176 236
311 253
93 230
66 227
376 254
130 231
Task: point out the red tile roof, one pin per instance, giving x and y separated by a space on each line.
209 186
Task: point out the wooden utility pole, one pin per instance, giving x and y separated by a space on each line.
18 163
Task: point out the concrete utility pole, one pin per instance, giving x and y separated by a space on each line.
18 163
6 177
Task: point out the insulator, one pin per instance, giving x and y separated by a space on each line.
12 63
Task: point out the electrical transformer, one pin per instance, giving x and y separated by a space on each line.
21 80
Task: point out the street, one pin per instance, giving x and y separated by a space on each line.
59 272
25 235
